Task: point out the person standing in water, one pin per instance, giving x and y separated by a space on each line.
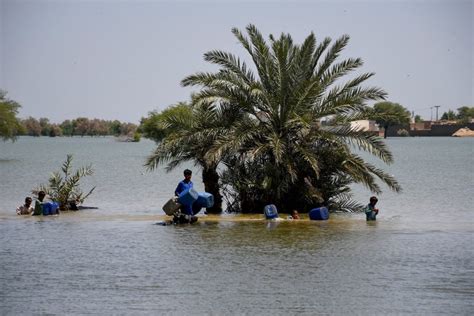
370 211
187 210
25 209
294 215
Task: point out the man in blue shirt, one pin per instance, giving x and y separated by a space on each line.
185 184
370 211
186 209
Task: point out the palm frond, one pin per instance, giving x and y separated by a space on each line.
230 63
344 203
332 54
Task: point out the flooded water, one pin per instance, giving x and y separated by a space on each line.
418 258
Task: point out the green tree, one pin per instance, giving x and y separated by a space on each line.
67 128
114 128
418 119
388 114
450 115
10 126
186 133
45 126
465 114
276 150
156 126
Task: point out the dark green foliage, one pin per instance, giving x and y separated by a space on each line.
10 126
186 133
45 126
264 128
450 115
157 126
136 137
67 128
465 114
388 114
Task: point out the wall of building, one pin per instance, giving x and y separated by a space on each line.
436 130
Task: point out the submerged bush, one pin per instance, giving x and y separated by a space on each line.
64 187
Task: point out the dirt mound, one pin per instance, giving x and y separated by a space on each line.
464 132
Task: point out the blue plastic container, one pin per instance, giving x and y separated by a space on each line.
188 197
50 208
204 200
319 214
54 208
270 211
196 208
47 208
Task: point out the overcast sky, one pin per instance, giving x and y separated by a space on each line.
122 59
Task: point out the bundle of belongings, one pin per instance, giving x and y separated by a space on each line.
185 207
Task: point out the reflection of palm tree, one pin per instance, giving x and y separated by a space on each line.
277 145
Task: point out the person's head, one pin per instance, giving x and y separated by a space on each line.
28 201
295 214
373 200
187 174
41 195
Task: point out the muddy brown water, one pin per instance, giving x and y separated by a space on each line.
416 259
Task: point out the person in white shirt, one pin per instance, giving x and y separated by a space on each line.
25 209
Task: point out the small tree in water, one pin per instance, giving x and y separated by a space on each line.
64 187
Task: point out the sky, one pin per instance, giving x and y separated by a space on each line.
122 59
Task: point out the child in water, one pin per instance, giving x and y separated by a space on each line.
294 215
370 211
25 209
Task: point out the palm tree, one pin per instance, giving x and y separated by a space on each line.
63 187
186 133
278 146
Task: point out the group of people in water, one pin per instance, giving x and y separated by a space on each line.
38 208
186 213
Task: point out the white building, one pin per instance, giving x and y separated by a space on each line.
365 125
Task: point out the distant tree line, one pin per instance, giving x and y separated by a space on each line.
81 126
464 115
11 126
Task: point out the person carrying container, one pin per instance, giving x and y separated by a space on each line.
370 211
44 206
186 210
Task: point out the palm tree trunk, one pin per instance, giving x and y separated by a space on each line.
210 177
